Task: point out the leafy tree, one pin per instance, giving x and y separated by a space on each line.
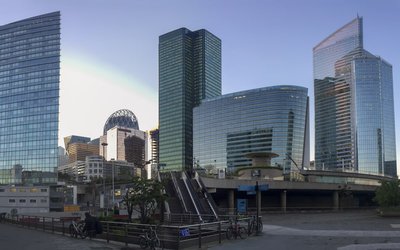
144 196
388 194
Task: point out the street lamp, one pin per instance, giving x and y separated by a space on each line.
104 144
112 173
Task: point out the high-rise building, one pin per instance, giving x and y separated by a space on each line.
265 120
29 99
155 145
122 139
189 71
354 108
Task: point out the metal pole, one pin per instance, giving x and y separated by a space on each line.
113 190
257 205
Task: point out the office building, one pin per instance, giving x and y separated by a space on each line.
79 147
270 119
120 143
354 108
189 72
29 99
155 145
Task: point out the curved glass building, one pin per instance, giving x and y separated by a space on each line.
122 118
29 100
271 119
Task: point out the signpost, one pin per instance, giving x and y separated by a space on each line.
254 190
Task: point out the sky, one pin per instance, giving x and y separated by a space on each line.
109 48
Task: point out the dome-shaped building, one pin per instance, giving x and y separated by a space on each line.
123 118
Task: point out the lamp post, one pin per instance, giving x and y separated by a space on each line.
104 144
112 173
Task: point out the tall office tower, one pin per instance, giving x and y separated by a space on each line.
29 99
354 109
189 71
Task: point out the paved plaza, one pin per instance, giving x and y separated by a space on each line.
349 230
13 237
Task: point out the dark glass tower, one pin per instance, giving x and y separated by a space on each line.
29 100
354 108
189 71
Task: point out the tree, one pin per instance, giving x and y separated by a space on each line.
388 194
144 196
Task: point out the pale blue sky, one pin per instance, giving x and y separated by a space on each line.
110 48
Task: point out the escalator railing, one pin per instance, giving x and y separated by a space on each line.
209 199
192 195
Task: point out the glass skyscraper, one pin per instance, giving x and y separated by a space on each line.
29 100
271 119
354 108
189 71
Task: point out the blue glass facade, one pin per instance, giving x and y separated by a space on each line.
29 100
354 108
270 119
189 71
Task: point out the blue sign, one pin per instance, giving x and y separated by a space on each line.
246 188
184 232
241 205
264 187
251 192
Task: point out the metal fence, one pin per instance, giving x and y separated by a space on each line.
171 236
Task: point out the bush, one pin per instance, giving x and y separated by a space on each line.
388 194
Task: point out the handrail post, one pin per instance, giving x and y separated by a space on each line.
179 238
52 225
219 233
200 236
108 230
126 235
63 228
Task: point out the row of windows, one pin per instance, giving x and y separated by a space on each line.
23 190
24 201
30 52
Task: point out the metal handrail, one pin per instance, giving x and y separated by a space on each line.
185 179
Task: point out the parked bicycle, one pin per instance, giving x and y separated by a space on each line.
234 230
253 228
149 239
77 228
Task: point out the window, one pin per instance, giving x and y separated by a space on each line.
11 201
22 200
2 190
34 190
32 201
43 200
43 190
